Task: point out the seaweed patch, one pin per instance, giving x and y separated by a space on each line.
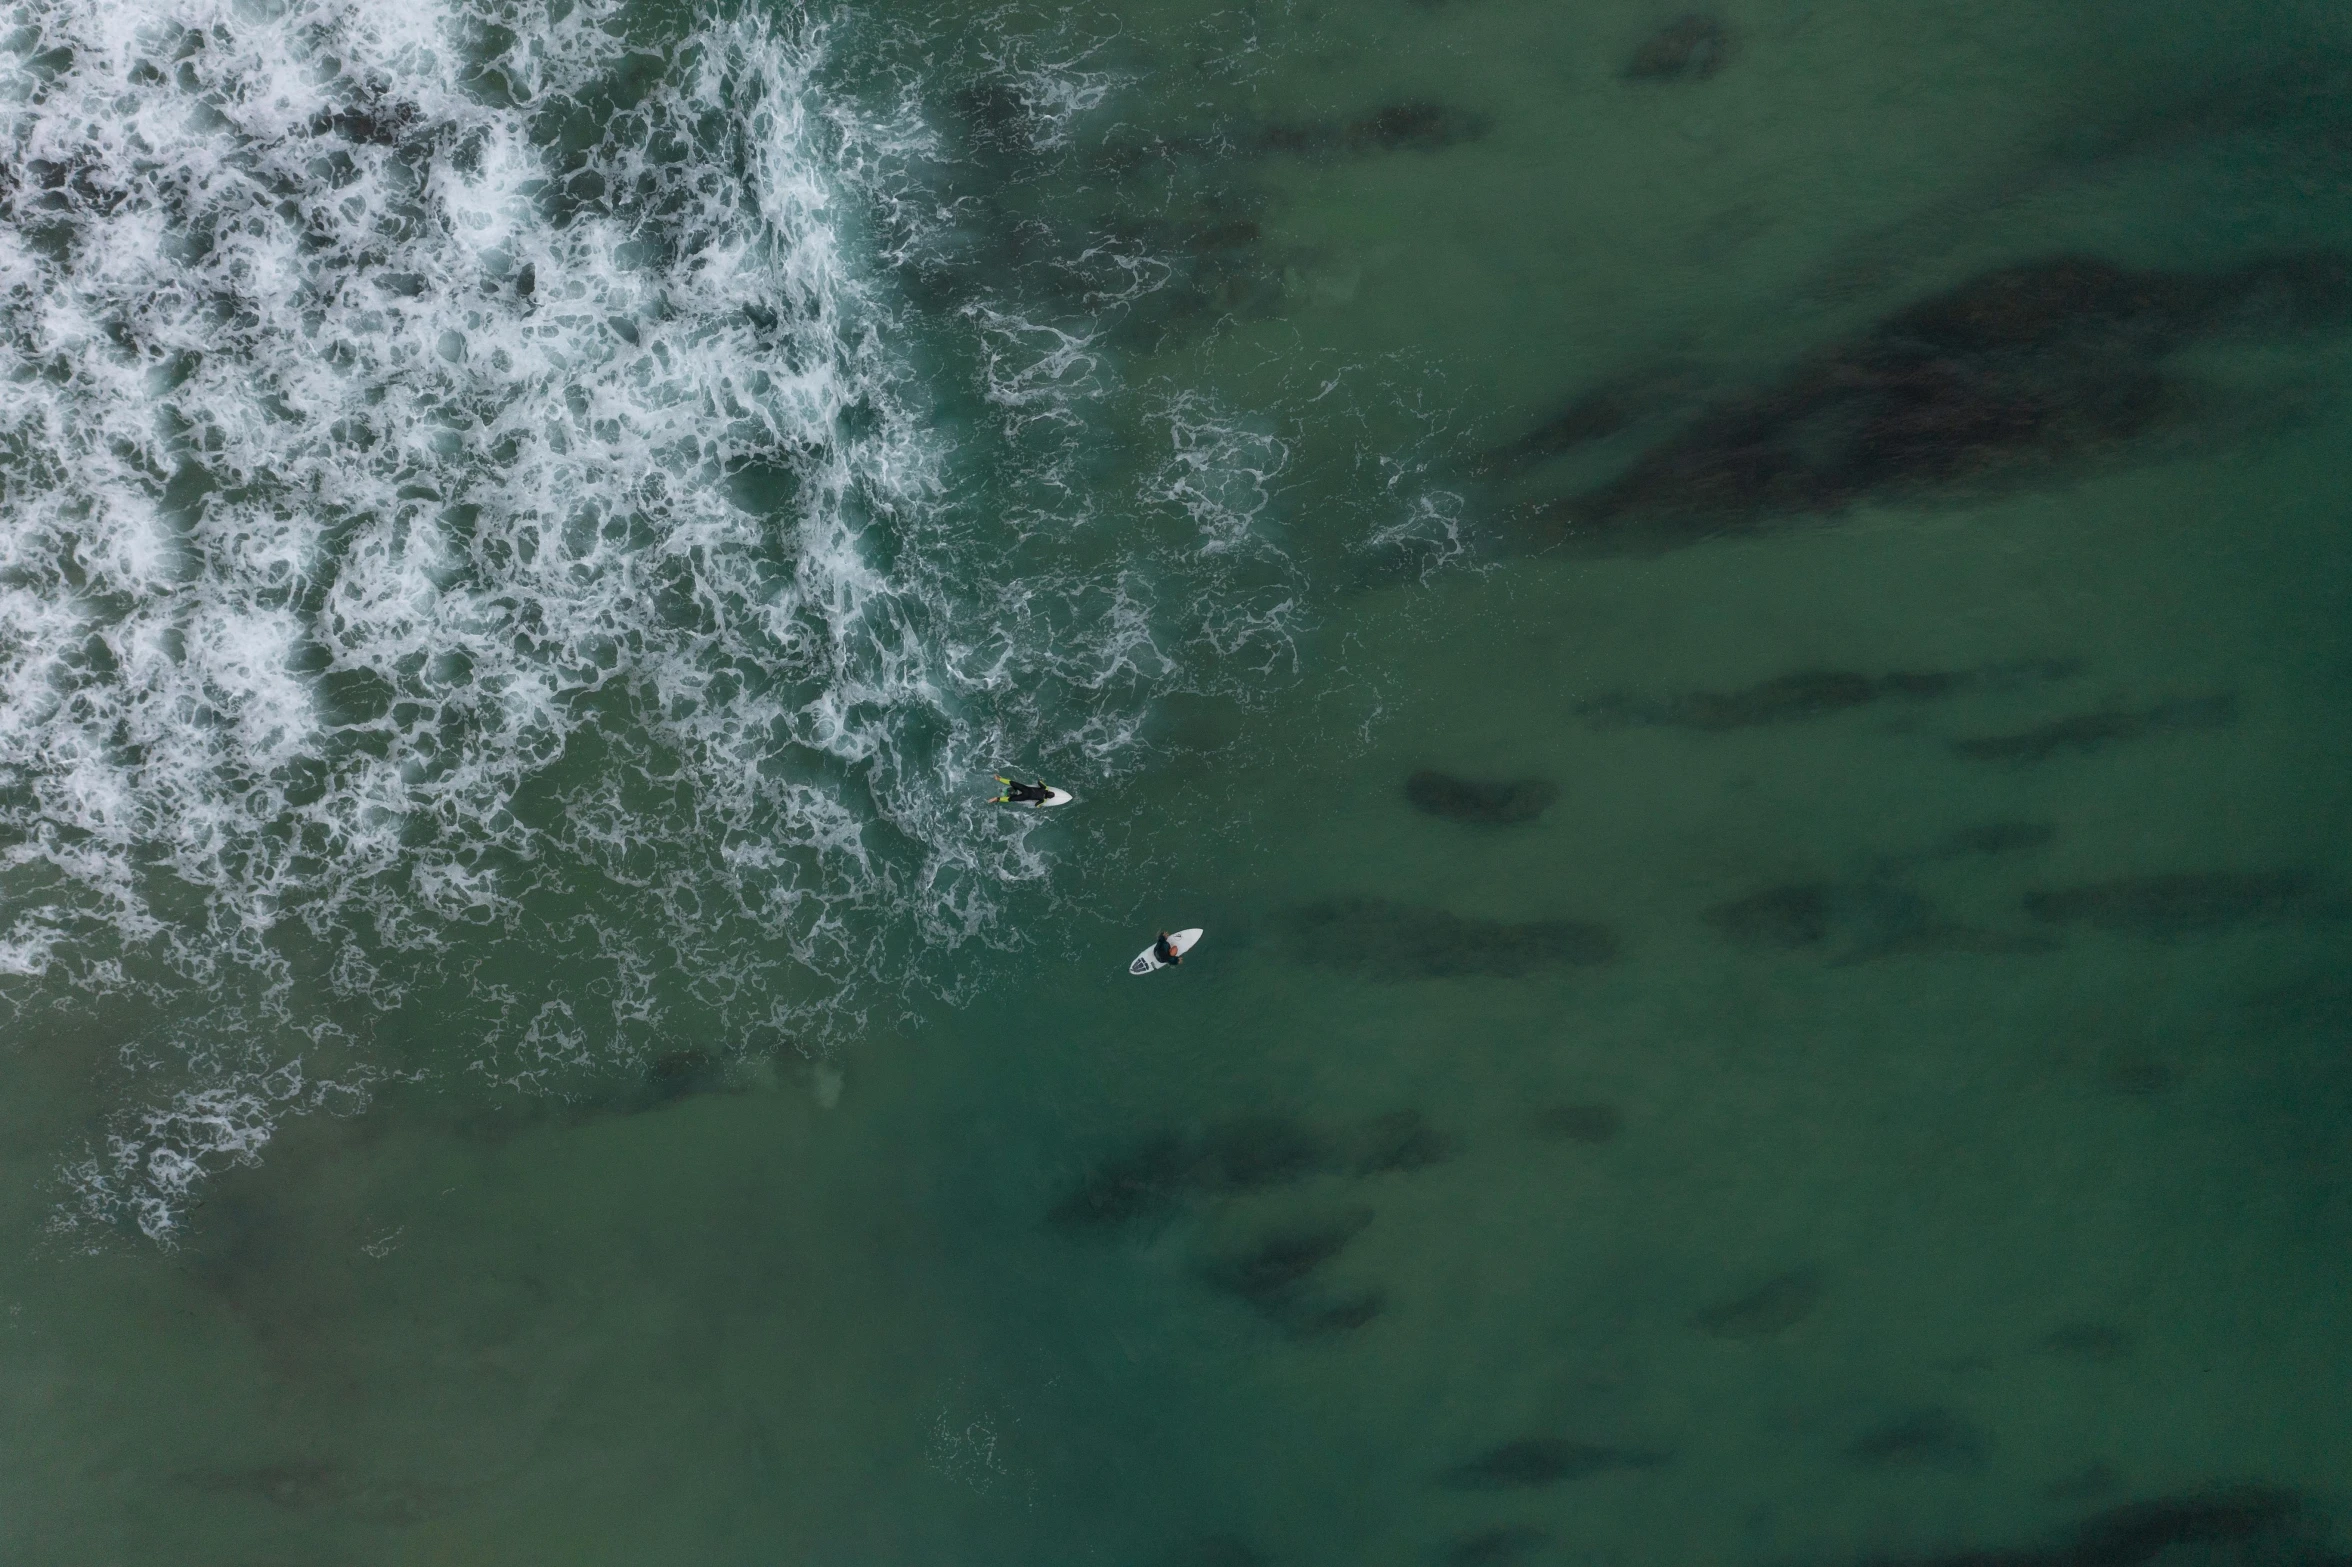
1690 48
1934 1438
1807 694
1484 802
1857 922
1543 1460
1272 1273
1376 939
2179 904
2011 375
2082 733
1770 1309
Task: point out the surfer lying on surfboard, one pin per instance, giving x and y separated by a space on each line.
1165 949
1021 793
1037 794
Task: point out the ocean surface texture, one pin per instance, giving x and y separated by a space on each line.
1736 623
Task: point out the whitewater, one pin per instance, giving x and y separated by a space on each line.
487 533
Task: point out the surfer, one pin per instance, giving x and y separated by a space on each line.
1165 949
1021 793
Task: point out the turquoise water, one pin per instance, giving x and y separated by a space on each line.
1733 623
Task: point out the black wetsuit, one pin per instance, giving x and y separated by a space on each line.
1028 794
1165 950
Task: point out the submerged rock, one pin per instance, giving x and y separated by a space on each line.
2085 732
1544 1460
1142 1184
1606 410
1255 1153
1376 939
683 1072
1997 838
2184 903
2131 1535
1778 918
1403 1140
1690 48
672 1078
2012 373
1272 1275
2256 1524
1413 126
1331 1319
1816 693
1278 1262
1242 1157
1416 127
1926 1437
1857 922
1486 802
1770 1309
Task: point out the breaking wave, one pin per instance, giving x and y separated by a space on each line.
504 522
390 404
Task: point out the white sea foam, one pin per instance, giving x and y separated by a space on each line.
468 469
372 399
159 1152
361 423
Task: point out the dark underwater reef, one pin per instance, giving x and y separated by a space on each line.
1413 126
2214 1528
1854 922
2014 374
2082 733
1242 1156
2177 904
1168 241
1930 1438
673 1078
1534 1461
1376 939
1484 802
1690 48
1766 1311
1807 694
1275 1275
2246 1526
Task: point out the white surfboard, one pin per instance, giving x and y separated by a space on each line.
1053 796
1149 958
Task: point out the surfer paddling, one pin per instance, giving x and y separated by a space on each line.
1166 950
1017 793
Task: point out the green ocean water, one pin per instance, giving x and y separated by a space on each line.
1894 1120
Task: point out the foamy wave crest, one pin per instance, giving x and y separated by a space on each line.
454 461
157 1153
389 402
1223 474
481 535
